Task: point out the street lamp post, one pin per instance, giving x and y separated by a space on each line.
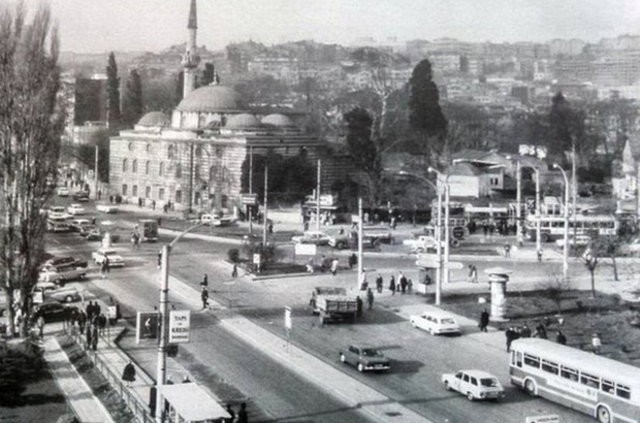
161 373
538 213
264 218
565 263
519 203
360 232
438 234
443 184
318 197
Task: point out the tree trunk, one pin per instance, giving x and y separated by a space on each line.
593 283
615 268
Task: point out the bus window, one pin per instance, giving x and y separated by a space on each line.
623 391
516 358
589 380
607 386
550 367
569 373
532 361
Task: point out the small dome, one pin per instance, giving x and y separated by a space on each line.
243 120
154 119
277 119
212 99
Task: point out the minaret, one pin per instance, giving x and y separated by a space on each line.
190 60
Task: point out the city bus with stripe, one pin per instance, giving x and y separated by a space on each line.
606 389
552 227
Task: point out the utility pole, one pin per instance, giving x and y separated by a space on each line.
318 197
439 246
250 206
519 203
538 213
360 217
565 262
447 240
95 174
574 188
264 219
163 321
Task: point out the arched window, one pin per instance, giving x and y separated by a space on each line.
199 151
147 166
178 170
148 148
124 165
134 166
161 169
171 151
196 171
212 173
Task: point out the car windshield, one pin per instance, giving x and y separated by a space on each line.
448 321
370 352
489 382
109 253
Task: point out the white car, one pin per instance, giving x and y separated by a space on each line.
580 241
57 212
631 249
115 259
50 290
209 219
436 322
63 192
312 237
75 209
60 275
474 384
106 208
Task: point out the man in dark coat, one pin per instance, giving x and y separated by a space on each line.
484 320
370 298
129 373
379 283
560 338
205 297
392 285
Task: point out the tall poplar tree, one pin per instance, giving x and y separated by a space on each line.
132 106
31 124
113 91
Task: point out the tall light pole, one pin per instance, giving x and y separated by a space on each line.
250 207
438 233
538 212
95 174
318 196
360 232
565 263
163 320
519 239
574 188
443 185
266 197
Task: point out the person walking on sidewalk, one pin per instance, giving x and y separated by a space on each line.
334 266
129 374
205 297
507 251
94 336
473 273
205 280
539 254
40 325
403 282
392 285
353 260
104 267
379 283
234 271
484 320
370 298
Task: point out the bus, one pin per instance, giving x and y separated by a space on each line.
601 387
149 230
552 227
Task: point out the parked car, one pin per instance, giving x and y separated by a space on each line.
115 259
81 196
312 237
365 357
212 220
57 212
423 244
631 249
57 225
75 209
106 208
63 192
436 322
77 225
86 229
95 234
475 384
50 290
53 310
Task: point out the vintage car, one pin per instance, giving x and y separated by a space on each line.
57 225
474 384
106 208
312 237
115 259
436 322
63 192
50 290
52 310
212 220
365 357
75 209
61 275
66 261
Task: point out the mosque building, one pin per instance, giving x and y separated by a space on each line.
198 157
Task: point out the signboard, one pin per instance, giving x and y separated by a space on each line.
305 249
256 259
147 325
112 312
551 418
287 318
179 325
249 199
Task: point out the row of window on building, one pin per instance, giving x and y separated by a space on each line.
148 194
172 149
213 170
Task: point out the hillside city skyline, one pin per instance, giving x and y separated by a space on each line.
124 26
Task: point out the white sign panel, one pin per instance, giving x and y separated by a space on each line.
287 318
552 418
179 324
305 249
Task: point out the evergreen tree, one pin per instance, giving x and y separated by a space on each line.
132 107
425 116
31 124
208 74
113 91
179 87
363 151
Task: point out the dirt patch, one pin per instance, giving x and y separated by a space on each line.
579 317
98 384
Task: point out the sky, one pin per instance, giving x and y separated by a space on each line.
96 26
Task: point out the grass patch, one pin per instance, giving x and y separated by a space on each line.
100 387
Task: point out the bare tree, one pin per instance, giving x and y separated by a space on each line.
554 288
31 123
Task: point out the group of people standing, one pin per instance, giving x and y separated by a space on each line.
403 284
540 331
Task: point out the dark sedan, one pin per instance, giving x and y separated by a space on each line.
365 357
53 311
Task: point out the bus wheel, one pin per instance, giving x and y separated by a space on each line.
530 387
545 238
603 415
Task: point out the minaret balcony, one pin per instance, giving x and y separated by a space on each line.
190 60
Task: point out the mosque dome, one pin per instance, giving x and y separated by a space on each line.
277 119
154 119
243 120
212 99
